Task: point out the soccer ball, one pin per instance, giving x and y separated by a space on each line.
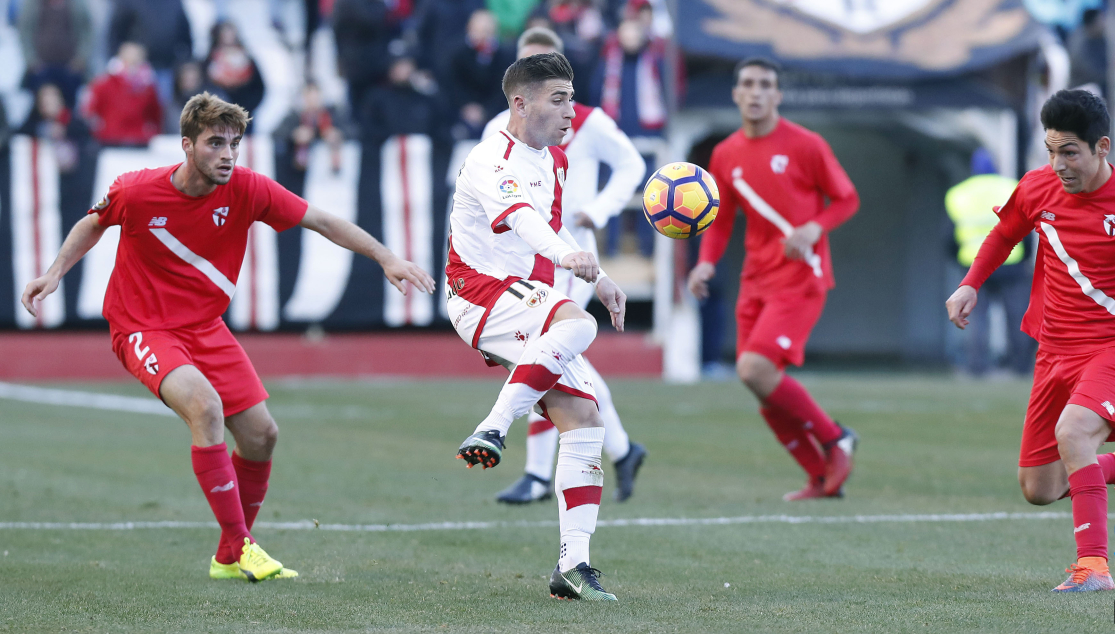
680 200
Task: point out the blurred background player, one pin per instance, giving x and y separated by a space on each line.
507 236
184 233
1071 205
593 139
781 174
970 205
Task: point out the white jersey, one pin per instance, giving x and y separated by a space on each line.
593 139
506 219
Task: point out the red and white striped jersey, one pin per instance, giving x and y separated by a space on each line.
503 176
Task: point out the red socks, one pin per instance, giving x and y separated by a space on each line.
1089 511
252 476
796 440
1107 464
217 478
792 398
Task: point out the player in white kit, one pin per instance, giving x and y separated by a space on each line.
593 139
506 236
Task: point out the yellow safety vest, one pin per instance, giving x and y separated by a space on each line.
971 205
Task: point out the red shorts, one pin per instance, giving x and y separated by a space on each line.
211 348
1087 380
777 326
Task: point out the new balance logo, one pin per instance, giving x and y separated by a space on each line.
1082 527
1048 215
1109 407
220 214
222 489
157 221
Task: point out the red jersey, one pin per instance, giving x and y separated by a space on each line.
1072 310
792 170
179 256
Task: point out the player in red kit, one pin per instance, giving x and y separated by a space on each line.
184 231
1071 205
780 174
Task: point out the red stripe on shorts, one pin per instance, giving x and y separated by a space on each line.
579 496
536 377
539 426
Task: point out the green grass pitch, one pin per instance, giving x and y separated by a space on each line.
382 453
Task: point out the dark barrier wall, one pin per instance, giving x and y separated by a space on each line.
397 192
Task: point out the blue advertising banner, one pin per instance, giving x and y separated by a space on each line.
872 40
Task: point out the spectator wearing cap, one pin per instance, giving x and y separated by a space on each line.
122 105
629 80
57 41
162 28
229 67
477 73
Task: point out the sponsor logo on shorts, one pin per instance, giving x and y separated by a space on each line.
151 364
1109 407
458 318
157 221
537 298
509 188
778 163
784 342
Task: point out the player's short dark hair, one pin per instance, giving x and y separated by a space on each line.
1078 112
206 111
761 62
540 36
525 73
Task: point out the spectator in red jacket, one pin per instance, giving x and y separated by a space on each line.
122 106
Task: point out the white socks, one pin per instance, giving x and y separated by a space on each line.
542 442
579 482
539 368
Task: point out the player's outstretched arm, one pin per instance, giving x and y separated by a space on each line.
582 264
613 299
84 236
345 234
960 305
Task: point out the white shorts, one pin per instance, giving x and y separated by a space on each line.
520 314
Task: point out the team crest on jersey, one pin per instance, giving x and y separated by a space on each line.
509 188
778 163
537 298
561 176
220 214
102 204
1109 224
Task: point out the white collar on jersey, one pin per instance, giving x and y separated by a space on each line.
539 153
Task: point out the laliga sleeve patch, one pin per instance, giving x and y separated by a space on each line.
510 188
102 204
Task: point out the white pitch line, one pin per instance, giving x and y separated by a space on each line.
72 398
306 525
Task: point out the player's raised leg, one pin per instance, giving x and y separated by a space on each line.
1080 431
192 397
579 482
542 363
